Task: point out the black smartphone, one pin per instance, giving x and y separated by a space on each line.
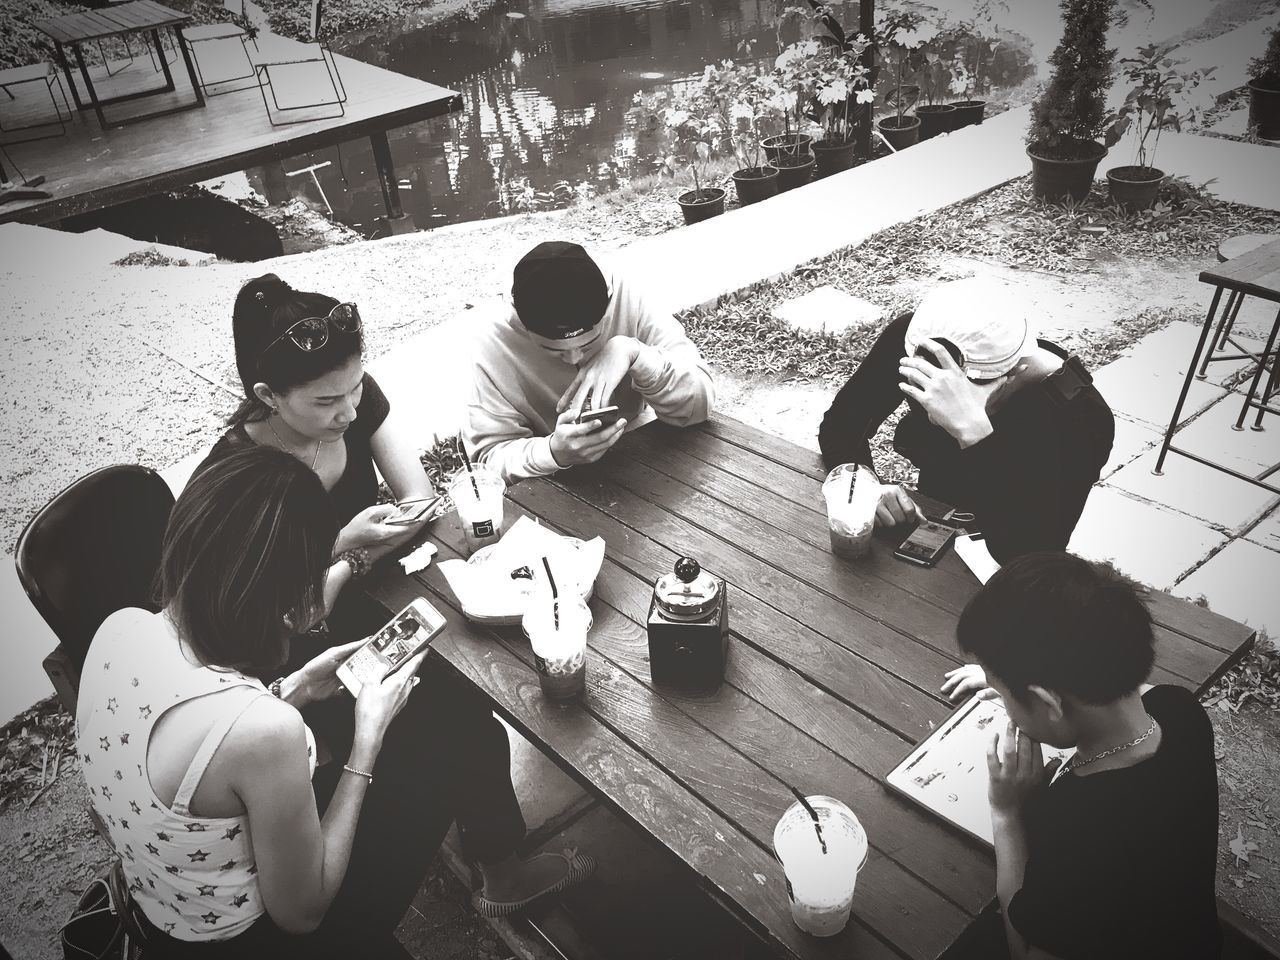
607 416
926 544
411 511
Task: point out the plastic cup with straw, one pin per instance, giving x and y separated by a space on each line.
478 492
557 631
851 493
821 846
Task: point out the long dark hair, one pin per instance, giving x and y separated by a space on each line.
265 308
246 548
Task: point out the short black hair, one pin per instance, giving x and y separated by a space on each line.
248 544
265 308
1054 620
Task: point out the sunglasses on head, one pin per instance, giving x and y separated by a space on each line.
312 333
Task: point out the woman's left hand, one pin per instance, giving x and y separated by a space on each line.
318 679
1015 765
952 401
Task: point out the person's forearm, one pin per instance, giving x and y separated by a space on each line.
339 576
339 824
677 385
1011 866
521 458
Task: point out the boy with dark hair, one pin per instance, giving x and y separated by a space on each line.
1112 855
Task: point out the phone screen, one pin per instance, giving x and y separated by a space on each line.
396 642
927 540
413 512
606 415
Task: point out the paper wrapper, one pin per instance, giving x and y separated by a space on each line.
488 592
420 559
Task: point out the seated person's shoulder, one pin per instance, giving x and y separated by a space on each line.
1178 712
269 734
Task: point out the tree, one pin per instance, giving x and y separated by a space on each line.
1070 116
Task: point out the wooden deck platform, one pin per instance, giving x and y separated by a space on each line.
88 168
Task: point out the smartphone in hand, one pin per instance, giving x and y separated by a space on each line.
607 416
392 647
927 543
411 511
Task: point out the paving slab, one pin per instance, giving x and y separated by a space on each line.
1170 351
1194 489
1145 386
697 264
1131 440
1213 436
1267 532
1240 583
1144 540
1240 172
828 310
429 393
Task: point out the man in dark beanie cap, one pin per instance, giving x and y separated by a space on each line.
575 337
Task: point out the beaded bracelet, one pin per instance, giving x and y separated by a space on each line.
359 773
358 559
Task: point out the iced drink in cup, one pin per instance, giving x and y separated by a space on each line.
852 494
559 648
478 495
819 884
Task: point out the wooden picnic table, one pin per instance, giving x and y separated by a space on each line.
139 16
833 676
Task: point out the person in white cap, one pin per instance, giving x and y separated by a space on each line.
1001 424
575 339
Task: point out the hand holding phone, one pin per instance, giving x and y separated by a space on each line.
405 636
607 416
411 511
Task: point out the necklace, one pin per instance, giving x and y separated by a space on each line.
1075 764
284 446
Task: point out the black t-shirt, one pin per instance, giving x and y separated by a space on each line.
357 488
1122 863
1026 483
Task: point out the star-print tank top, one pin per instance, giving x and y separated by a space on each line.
194 878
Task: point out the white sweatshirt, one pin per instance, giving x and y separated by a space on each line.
516 384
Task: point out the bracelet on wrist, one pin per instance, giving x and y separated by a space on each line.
357 559
359 773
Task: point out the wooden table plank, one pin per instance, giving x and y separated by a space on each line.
695 832
781 451
747 789
856 668
1256 273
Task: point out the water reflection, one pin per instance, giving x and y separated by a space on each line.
547 97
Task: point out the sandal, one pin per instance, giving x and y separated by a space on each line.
581 866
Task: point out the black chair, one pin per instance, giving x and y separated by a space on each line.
92 550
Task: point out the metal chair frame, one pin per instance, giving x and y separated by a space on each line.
263 71
50 79
244 38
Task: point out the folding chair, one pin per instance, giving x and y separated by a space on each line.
16 76
316 50
213 32
92 550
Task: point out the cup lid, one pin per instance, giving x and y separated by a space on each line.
688 592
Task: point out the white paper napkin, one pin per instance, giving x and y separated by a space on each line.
420 559
973 551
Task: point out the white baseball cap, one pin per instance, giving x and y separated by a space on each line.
984 317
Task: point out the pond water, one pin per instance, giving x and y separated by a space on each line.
548 88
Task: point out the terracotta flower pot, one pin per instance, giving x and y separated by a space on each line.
754 184
1264 109
900 137
794 172
935 118
1134 188
1055 178
832 156
699 205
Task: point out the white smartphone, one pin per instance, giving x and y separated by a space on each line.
411 511
404 636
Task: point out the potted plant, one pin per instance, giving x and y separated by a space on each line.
1159 88
935 82
1264 90
793 78
840 81
974 53
742 98
1069 117
694 128
897 37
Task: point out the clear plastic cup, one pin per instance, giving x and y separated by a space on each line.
819 884
559 651
480 516
851 518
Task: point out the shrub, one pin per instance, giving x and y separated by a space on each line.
1070 116
1266 68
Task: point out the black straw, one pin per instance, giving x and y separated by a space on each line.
462 448
555 595
817 826
853 478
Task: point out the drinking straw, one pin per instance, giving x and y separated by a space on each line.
817 826
555 596
853 478
462 448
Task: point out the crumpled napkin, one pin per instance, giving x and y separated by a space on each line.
488 591
419 559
